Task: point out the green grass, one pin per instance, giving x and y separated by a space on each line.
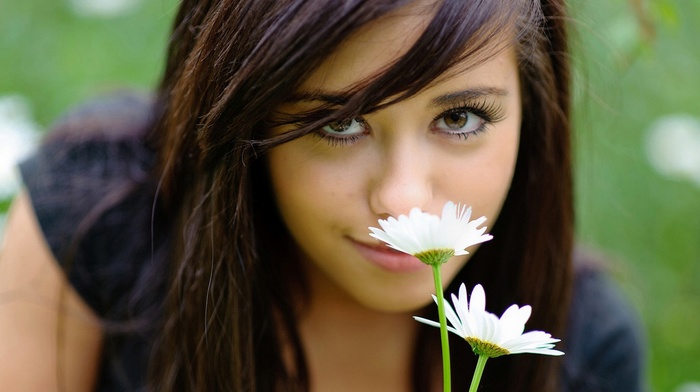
648 224
58 59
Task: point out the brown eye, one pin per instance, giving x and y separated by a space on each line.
459 122
456 119
351 126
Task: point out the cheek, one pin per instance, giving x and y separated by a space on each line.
483 179
290 184
498 175
308 191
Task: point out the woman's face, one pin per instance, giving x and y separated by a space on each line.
455 140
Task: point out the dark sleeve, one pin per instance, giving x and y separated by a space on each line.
80 181
605 343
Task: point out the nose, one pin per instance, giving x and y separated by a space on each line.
403 181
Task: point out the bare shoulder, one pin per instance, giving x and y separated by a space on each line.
48 335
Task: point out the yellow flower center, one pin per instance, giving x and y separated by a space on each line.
435 256
481 347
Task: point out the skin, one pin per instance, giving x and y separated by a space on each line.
388 162
35 300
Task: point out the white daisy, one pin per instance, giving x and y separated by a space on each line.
431 238
489 335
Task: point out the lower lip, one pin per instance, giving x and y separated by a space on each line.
389 259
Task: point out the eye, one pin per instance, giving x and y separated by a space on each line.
343 132
460 122
351 126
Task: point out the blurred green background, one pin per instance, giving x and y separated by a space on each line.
636 62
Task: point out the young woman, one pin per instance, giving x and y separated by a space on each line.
215 237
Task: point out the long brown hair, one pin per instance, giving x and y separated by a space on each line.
231 62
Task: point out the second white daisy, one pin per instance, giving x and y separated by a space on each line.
489 335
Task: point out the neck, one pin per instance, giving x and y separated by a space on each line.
351 347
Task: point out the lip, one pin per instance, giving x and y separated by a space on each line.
388 258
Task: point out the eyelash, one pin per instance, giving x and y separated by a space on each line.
335 141
340 141
489 112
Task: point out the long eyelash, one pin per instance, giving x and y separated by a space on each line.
334 141
490 112
337 141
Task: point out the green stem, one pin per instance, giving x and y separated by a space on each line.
447 380
480 365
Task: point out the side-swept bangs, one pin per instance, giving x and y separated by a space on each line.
243 59
460 36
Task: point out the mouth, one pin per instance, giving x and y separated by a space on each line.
386 258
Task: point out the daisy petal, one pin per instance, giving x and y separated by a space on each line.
421 232
490 335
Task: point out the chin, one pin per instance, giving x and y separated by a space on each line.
399 301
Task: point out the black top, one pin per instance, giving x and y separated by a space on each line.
96 154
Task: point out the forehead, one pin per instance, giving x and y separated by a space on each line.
373 48
378 45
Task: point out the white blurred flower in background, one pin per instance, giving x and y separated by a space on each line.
689 387
673 147
18 136
103 8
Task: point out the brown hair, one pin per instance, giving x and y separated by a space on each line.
230 64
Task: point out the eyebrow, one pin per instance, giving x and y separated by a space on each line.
454 98
459 97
